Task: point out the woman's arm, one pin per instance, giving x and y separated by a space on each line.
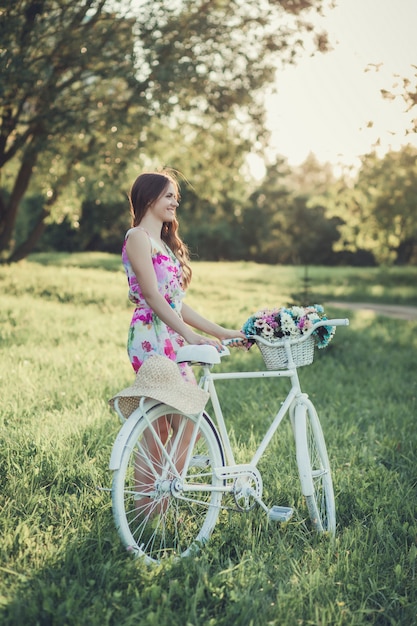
199 322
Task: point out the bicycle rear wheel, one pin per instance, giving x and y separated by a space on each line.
164 496
314 468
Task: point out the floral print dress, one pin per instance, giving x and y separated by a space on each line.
148 334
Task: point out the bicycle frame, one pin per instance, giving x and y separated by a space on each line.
180 479
207 383
208 379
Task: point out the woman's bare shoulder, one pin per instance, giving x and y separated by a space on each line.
139 241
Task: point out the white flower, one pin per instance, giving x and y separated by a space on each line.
268 332
287 324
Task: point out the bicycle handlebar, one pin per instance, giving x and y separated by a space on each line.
331 322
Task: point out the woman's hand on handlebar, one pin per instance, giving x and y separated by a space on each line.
234 339
196 339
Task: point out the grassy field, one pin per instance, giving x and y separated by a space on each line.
63 329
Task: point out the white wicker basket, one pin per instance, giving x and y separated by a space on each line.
275 356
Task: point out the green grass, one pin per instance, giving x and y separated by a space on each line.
63 328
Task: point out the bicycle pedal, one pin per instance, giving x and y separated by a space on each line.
199 460
280 513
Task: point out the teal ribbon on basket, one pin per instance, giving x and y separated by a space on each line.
289 322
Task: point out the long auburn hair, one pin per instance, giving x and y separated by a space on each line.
146 189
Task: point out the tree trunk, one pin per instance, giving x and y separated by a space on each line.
10 210
37 231
27 246
405 251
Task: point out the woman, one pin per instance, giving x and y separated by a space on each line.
158 271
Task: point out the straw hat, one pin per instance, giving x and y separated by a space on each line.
159 378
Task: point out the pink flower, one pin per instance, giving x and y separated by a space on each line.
301 323
159 264
146 346
136 363
169 350
145 316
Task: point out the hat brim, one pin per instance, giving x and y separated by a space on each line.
160 379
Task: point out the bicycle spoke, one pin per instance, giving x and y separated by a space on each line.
154 516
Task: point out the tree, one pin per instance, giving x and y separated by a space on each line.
263 231
388 186
283 225
380 206
311 177
57 83
83 82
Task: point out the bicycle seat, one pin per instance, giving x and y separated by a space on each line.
199 354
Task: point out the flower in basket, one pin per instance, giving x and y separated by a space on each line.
289 322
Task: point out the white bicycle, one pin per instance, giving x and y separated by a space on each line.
174 473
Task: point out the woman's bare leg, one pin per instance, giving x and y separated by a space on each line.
169 432
148 464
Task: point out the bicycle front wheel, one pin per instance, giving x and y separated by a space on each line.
314 468
164 496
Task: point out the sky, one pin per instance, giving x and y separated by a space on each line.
325 103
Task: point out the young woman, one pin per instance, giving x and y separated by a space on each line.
158 271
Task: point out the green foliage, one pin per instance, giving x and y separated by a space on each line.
299 216
280 225
64 321
379 207
389 185
77 77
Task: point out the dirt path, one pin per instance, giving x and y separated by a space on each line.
389 310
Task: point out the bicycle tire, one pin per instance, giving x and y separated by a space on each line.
154 518
314 468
